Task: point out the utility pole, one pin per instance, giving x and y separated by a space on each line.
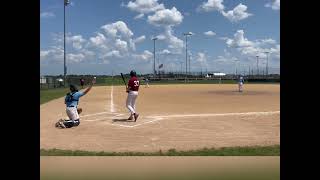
66 2
267 68
257 65
186 35
154 56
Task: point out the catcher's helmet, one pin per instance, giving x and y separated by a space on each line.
73 88
133 73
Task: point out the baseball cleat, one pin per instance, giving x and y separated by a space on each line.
136 117
130 118
60 124
57 124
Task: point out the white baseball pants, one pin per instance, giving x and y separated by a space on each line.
131 101
72 113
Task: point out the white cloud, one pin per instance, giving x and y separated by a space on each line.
113 53
225 60
115 36
209 33
211 5
275 5
121 45
201 57
268 41
77 41
165 51
166 17
144 6
174 44
145 56
115 40
275 51
99 40
253 48
75 58
140 39
117 29
239 40
139 16
52 55
237 14
47 15
44 54
161 37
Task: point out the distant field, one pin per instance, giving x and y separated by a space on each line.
50 94
47 95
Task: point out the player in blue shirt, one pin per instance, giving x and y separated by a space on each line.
240 83
72 110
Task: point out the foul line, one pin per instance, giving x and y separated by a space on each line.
95 114
111 101
220 114
158 118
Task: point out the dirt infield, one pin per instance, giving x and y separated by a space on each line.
183 117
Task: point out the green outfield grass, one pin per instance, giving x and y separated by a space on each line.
50 94
118 81
47 95
227 151
251 174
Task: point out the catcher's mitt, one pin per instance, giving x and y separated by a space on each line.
79 110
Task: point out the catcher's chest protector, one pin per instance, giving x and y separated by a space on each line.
70 97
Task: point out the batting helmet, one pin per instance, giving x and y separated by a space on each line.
133 73
73 88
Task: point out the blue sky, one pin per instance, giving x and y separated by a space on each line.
115 36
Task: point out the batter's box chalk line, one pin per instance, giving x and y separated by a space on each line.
158 118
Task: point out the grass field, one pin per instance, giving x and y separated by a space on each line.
228 151
50 94
47 95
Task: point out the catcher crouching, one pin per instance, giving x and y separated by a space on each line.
72 110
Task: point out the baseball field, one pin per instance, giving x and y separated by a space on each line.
177 116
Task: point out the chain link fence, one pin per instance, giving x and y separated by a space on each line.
50 82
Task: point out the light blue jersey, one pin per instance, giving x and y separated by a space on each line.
72 99
241 80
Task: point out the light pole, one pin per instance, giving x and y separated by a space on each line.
66 2
189 63
267 63
236 71
181 67
186 35
154 56
257 65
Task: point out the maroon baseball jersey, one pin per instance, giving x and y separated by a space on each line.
134 84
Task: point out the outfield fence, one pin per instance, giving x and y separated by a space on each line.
50 82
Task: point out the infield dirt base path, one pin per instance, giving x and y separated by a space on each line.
183 117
